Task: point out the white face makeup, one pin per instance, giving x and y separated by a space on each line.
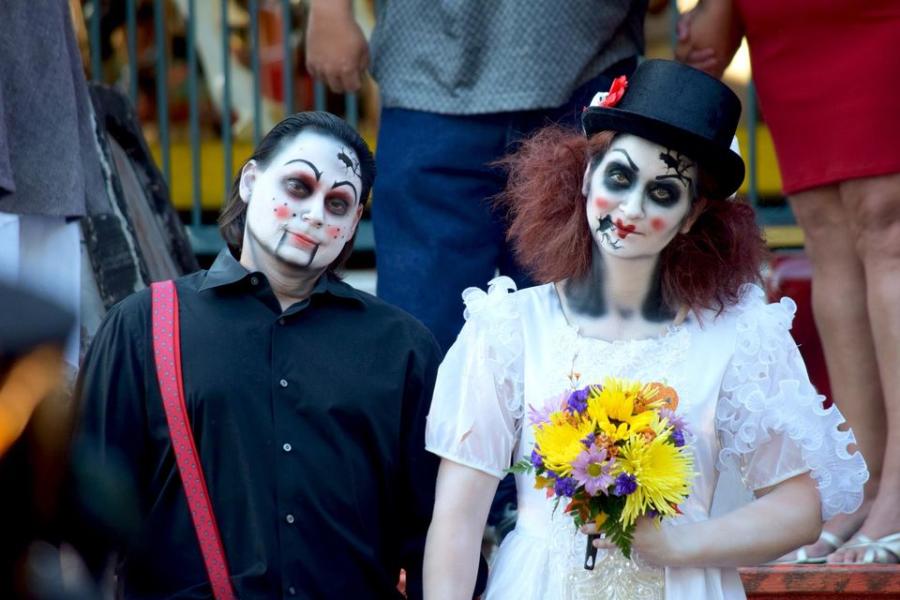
304 207
638 197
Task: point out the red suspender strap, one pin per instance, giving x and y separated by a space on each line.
167 352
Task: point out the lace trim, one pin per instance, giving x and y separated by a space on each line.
614 577
498 317
644 359
765 391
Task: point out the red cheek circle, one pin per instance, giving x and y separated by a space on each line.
601 203
333 231
282 213
658 224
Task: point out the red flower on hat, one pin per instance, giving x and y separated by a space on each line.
616 91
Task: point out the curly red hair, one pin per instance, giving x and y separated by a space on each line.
703 269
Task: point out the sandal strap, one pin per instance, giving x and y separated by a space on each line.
880 550
859 540
830 539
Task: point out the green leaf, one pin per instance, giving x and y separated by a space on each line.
618 534
523 466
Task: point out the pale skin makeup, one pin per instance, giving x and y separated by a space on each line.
638 198
302 210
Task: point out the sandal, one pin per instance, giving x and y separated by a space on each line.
803 558
884 550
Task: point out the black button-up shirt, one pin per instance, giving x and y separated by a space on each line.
309 425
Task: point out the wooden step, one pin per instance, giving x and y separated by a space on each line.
822 582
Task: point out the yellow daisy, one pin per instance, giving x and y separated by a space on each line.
560 441
619 408
662 470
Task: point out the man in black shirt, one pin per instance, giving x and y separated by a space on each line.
306 398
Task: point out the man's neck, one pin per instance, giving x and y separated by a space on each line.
290 283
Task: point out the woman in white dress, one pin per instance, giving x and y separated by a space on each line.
651 274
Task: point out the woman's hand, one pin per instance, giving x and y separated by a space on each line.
708 36
652 543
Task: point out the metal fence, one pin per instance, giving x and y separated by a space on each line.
203 234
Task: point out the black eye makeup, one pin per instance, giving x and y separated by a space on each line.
664 194
617 176
337 205
298 186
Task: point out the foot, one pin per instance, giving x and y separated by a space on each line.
834 532
880 526
816 552
884 550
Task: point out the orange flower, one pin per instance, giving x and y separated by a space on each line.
666 397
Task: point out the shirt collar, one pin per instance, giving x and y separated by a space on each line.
226 270
331 284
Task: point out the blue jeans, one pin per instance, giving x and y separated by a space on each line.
435 230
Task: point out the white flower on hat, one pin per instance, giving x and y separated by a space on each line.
598 98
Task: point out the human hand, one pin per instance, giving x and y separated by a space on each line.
336 49
708 36
651 544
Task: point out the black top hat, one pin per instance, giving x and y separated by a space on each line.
678 107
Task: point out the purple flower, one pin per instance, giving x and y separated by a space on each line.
565 486
578 400
539 416
536 459
591 470
625 484
588 440
676 422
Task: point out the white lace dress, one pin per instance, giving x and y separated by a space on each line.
754 417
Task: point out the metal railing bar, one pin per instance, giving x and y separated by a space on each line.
752 146
131 25
162 92
194 116
226 95
254 59
319 95
288 63
96 59
351 109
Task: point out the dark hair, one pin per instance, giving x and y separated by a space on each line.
233 217
704 268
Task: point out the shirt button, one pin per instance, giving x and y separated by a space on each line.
281 321
289 518
283 383
254 280
287 447
292 591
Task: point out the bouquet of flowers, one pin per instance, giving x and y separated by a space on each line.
612 452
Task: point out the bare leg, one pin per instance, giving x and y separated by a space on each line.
873 204
841 315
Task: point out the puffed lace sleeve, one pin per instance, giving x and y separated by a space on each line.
477 406
770 419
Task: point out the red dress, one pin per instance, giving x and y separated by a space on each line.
827 74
